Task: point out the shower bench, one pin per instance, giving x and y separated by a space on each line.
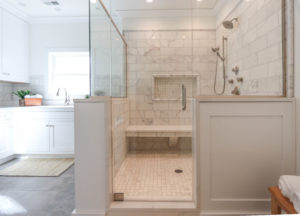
159 131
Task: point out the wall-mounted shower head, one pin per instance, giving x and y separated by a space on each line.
228 24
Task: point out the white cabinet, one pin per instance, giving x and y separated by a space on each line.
34 136
14 48
6 137
45 132
62 135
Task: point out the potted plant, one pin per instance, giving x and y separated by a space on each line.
21 94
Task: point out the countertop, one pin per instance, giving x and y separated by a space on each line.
243 99
56 108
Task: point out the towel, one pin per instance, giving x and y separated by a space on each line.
290 188
34 96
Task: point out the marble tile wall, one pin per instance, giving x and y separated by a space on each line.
120 120
255 46
166 53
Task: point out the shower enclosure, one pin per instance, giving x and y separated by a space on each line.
154 67
108 54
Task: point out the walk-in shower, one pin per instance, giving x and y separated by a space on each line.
153 67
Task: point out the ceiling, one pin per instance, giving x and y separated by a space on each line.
125 8
164 8
131 5
38 8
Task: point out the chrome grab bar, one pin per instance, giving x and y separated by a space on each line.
183 91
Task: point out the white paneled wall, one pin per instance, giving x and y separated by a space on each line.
243 146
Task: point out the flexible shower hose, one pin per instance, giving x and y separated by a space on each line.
216 74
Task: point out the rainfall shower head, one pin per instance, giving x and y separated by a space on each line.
228 24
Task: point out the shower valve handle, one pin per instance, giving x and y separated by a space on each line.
236 70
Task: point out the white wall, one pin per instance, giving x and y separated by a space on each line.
47 37
297 76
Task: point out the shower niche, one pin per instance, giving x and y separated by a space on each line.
169 87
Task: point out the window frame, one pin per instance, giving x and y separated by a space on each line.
51 92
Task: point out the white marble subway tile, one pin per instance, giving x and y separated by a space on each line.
269 54
275 36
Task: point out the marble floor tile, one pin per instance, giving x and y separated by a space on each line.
152 176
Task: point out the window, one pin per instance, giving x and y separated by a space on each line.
69 70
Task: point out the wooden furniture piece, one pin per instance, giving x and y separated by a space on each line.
280 202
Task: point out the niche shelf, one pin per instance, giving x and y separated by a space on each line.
169 87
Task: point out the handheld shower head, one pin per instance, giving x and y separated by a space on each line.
215 49
228 24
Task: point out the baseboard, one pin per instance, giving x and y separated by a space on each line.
234 213
7 159
45 155
87 213
181 212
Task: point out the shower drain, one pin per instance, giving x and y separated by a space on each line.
179 171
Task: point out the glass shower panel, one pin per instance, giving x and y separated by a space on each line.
155 163
107 54
118 65
100 50
243 54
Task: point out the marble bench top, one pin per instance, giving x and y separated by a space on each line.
159 128
159 131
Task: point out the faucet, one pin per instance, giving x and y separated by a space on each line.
183 91
67 97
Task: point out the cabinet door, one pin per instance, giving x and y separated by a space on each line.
34 136
6 139
63 136
15 50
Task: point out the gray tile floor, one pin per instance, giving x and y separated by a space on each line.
37 196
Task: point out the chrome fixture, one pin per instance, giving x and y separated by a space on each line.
67 97
183 91
222 58
236 70
228 24
231 81
235 91
217 51
240 79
